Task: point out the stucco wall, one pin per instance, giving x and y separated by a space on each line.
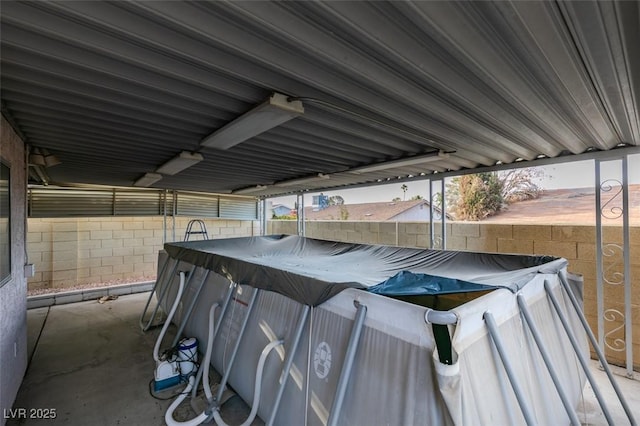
575 243
13 301
74 251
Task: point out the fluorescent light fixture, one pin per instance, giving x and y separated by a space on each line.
36 158
294 182
148 179
182 161
50 160
250 189
42 157
276 110
410 161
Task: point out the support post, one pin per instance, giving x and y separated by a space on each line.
596 348
288 362
218 326
628 316
613 208
263 216
227 373
189 310
504 357
345 373
163 292
302 231
548 362
581 357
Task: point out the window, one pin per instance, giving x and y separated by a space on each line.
5 226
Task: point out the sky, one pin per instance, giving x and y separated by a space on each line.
565 175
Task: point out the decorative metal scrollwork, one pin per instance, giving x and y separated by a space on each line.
436 202
608 210
437 241
616 344
612 274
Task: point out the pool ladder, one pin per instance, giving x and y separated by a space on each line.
189 231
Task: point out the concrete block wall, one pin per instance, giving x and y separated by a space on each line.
69 252
576 243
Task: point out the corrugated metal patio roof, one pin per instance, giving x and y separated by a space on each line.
115 89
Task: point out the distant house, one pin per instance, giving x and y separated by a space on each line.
281 210
393 211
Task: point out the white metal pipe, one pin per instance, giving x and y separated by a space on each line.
443 213
189 310
594 344
547 361
628 326
345 373
289 361
232 288
599 261
145 327
581 357
504 357
225 377
432 228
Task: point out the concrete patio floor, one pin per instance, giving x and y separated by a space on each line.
91 364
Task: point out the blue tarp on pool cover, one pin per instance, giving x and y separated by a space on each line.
407 283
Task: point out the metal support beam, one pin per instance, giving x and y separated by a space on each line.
189 310
504 357
548 362
227 373
581 357
288 362
612 205
163 292
301 223
218 326
347 366
435 213
432 226
262 215
596 348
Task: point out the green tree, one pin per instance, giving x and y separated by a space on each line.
404 191
416 197
475 197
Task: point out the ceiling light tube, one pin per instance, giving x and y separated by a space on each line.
251 189
293 182
148 179
182 161
36 158
50 160
410 161
276 110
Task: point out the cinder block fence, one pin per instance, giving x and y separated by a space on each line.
575 243
69 252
